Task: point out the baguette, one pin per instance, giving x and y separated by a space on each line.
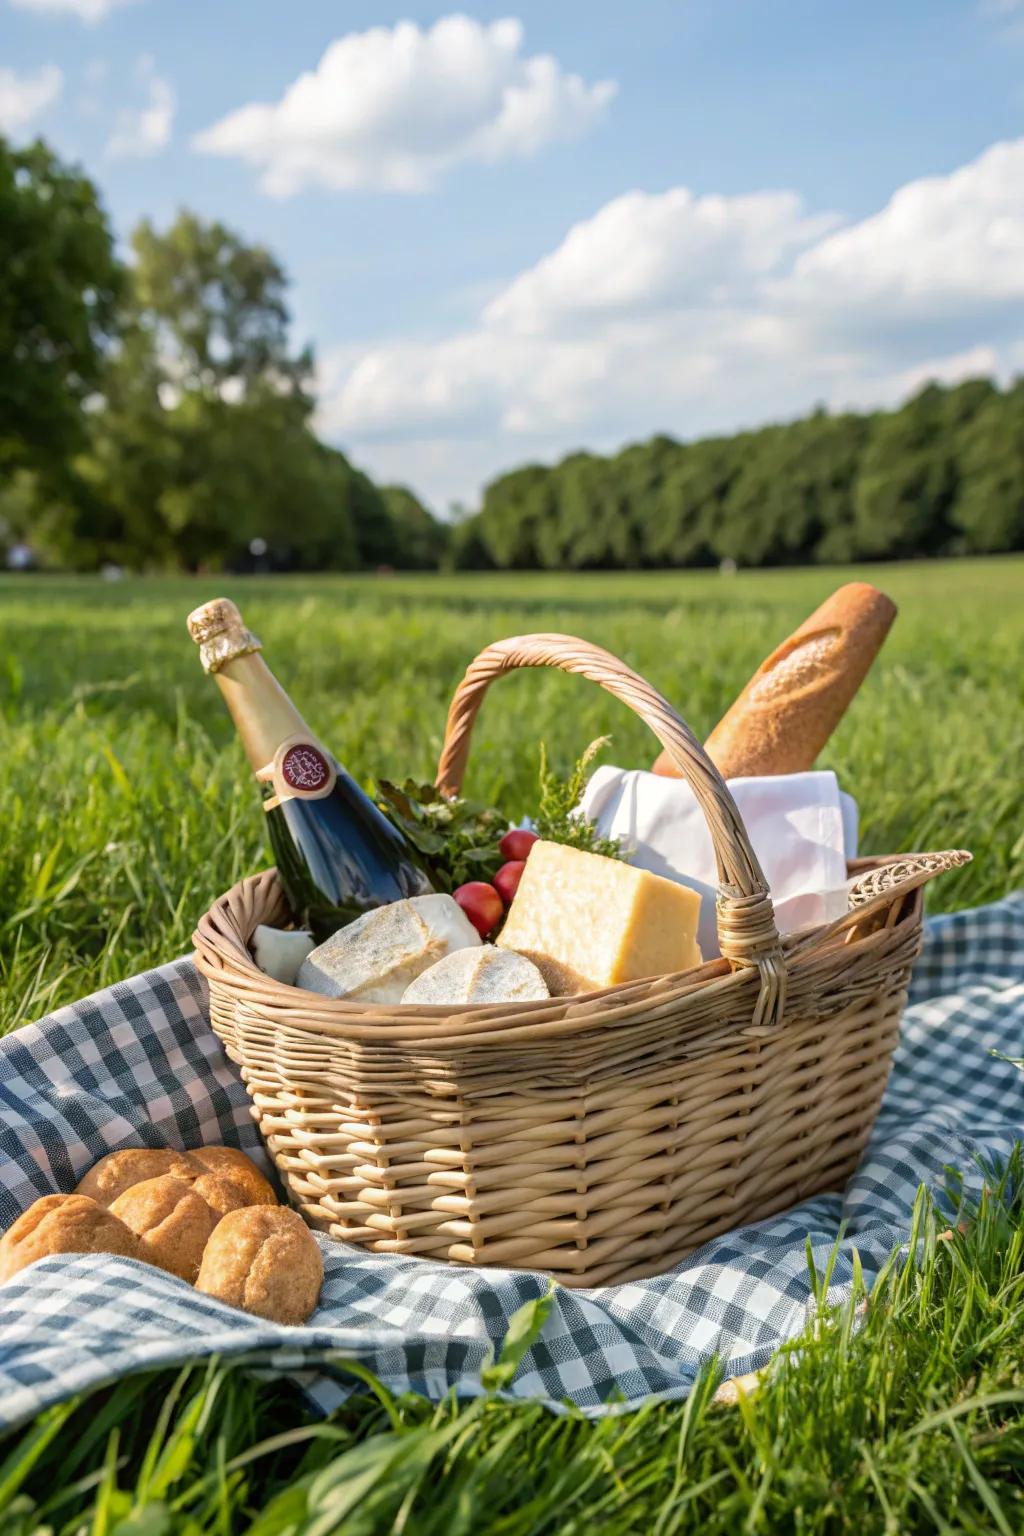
797 697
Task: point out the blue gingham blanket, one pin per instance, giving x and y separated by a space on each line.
139 1065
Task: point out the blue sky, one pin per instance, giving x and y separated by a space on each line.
521 229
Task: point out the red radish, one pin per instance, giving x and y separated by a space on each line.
481 904
506 881
516 844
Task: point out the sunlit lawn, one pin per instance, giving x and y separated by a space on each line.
126 808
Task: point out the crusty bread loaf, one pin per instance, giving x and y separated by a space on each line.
797 697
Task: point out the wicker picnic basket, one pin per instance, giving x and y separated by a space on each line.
601 1137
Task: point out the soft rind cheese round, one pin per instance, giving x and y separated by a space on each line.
375 958
485 975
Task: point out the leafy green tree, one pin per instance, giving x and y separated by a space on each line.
421 541
361 504
639 474
942 474
468 550
908 475
216 310
135 458
989 508
160 417
515 507
59 288
791 486
36 515
204 444
685 526
592 529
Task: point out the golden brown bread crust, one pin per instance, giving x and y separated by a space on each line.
150 1203
119 1171
264 1260
222 1194
224 1177
63 1224
172 1223
228 1162
799 694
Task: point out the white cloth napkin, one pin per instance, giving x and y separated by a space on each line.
802 827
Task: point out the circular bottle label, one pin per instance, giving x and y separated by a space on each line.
304 767
300 771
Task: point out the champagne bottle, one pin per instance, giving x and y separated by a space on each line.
336 853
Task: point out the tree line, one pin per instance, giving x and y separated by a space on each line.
154 415
942 475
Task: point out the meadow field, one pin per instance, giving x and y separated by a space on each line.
126 807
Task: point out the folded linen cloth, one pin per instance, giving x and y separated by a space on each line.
138 1065
802 827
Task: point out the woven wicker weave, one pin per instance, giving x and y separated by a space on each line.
600 1137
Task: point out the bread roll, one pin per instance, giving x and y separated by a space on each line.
172 1223
264 1261
63 1224
229 1164
797 697
119 1171
221 1192
223 1176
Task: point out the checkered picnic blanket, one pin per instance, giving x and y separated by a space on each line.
139 1065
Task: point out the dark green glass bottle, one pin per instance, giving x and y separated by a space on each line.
336 853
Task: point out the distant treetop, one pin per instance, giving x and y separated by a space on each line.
942 475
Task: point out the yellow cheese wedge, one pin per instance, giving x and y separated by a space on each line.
588 922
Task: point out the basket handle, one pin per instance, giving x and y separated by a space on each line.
746 920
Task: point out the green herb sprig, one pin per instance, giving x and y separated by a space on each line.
557 819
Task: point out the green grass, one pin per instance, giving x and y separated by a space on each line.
126 808
126 805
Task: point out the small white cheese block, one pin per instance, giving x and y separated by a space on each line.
485 975
279 951
375 958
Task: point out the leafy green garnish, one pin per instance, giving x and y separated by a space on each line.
557 819
456 839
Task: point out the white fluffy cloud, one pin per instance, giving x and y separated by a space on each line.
144 130
939 242
670 312
23 97
89 11
644 252
395 108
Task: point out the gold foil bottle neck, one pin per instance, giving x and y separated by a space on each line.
217 629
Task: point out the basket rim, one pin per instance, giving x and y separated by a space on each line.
223 956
